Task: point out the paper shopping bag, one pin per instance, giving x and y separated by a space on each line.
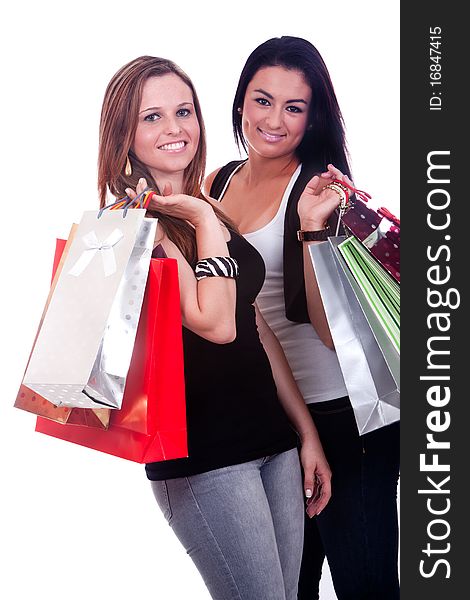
32 402
151 425
83 350
36 404
386 344
370 369
379 232
377 290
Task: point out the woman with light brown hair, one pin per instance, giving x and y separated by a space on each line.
236 502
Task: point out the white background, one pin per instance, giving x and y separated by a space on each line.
75 523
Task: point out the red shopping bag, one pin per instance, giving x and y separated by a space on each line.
151 425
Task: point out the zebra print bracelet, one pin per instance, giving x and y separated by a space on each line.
216 266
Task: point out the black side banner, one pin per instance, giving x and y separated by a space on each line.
435 202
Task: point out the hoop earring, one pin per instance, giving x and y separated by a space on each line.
128 167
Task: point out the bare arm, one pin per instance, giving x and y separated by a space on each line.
317 472
315 206
207 305
316 310
208 182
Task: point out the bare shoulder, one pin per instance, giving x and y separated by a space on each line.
171 249
162 239
160 235
208 181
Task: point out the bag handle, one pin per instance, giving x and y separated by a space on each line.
388 215
348 190
365 197
140 201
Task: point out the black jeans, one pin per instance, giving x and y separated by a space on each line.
358 530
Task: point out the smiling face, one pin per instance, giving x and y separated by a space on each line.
275 111
167 134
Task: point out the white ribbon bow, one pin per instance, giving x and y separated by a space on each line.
105 248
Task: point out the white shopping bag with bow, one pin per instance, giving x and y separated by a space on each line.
83 349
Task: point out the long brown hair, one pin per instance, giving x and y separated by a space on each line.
119 118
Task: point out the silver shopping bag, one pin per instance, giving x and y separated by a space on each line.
84 346
368 361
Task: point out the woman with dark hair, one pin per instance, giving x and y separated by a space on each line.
236 502
286 116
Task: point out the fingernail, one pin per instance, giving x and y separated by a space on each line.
308 493
141 180
128 191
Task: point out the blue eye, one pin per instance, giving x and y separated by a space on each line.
262 101
183 112
152 117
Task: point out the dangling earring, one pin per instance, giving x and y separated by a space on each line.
128 167
239 110
309 128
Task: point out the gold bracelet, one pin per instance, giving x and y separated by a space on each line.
342 192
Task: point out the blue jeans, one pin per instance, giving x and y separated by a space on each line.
358 530
242 526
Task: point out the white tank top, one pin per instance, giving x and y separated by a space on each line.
315 367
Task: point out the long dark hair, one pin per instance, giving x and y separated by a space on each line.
324 140
119 118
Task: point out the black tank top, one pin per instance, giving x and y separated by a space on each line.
233 412
295 297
